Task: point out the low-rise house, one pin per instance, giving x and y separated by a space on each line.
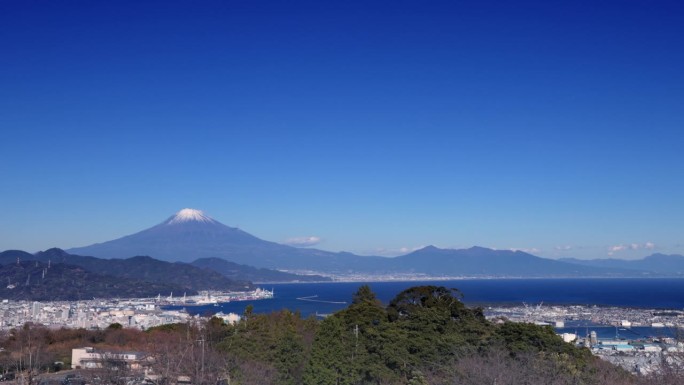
89 358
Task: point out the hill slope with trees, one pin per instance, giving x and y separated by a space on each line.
40 281
176 277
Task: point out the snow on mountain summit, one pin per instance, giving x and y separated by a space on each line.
189 215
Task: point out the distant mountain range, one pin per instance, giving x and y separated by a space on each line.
190 235
57 275
480 261
656 264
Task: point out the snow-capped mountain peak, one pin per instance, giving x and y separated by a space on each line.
189 215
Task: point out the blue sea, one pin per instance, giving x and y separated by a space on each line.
326 298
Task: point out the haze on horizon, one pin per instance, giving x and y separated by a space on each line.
376 128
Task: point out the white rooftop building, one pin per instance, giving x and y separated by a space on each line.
89 358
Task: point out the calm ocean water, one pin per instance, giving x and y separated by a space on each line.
331 297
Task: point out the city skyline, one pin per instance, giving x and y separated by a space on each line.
371 128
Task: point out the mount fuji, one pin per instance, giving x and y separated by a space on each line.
190 235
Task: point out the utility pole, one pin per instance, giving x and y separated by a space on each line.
202 367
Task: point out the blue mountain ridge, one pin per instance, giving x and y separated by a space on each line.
655 264
187 238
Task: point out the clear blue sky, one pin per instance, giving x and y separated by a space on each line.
554 127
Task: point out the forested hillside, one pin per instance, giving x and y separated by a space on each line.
426 335
40 281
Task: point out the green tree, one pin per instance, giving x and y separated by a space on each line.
519 337
290 357
249 310
280 340
364 295
414 299
332 355
437 327
115 326
352 345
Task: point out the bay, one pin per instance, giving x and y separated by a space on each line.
326 298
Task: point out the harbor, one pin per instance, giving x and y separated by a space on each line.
215 297
638 340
